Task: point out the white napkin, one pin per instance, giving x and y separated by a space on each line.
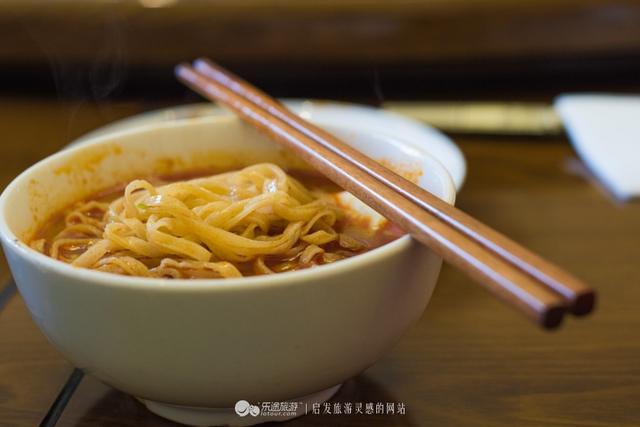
605 131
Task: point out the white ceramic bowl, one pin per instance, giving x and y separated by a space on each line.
190 349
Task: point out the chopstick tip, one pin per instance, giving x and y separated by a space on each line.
180 69
584 304
200 62
553 317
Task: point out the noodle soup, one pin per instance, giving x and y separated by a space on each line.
190 349
253 221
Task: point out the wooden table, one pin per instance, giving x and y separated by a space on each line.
469 361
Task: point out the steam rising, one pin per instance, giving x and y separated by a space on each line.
96 79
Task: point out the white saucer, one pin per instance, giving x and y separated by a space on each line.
327 113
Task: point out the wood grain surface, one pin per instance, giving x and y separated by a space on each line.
318 31
469 360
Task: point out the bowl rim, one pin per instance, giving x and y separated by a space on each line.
31 256
455 162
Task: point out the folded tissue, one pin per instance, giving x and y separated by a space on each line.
605 131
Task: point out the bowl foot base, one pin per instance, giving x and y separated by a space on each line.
208 417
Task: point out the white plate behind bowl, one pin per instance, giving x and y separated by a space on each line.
325 113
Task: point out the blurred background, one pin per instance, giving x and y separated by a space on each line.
369 50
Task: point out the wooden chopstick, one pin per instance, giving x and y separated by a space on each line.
580 298
495 273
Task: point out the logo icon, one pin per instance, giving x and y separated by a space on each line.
244 408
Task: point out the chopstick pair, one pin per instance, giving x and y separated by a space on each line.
539 289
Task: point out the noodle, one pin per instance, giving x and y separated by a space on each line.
257 220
